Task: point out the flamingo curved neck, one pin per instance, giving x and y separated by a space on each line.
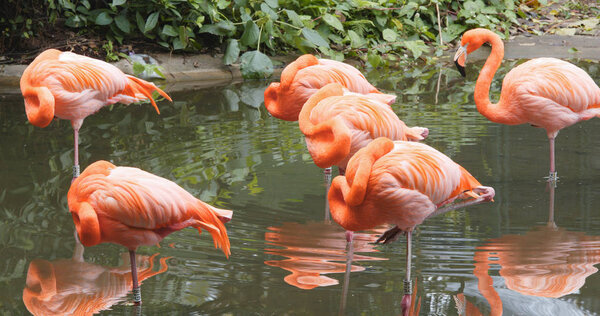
494 112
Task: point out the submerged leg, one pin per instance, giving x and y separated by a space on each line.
76 150
349 254
553 176
137 295
406 299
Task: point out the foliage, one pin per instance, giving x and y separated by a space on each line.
377 31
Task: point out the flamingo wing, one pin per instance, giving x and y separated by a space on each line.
545 82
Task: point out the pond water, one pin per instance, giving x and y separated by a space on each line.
221 145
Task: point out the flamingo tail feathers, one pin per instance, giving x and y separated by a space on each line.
136 86
382 97
210 219
467 184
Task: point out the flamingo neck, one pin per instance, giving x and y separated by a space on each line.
494 112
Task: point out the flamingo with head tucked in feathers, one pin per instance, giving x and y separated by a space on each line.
400 183
72 87
337 123
131 207
544 92
307 74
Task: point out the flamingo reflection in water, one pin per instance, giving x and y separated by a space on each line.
75 287
546 263
314 249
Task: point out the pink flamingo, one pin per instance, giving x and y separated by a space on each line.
544 92
131 207
400 183
72 87
337 123
303 77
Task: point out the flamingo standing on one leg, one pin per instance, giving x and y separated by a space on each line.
72 87
303 77
337 124
544 92
132 207
400 183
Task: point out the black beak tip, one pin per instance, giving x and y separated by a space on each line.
460 68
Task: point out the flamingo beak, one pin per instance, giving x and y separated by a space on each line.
460 59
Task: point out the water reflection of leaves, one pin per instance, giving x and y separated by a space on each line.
76 287
314 249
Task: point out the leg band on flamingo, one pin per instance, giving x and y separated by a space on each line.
76 171
407 287
137 296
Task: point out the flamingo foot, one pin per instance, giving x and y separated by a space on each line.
425 132
390 235
486 193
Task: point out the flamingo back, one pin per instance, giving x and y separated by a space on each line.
133 207
79 86
395 182
305 76
333 113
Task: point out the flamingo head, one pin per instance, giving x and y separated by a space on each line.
39 105
470 42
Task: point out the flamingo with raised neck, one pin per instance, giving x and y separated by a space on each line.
544 92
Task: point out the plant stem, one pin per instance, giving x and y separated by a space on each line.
259 34
290 25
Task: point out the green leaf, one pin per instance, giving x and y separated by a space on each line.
151 22
222 28
333 21
294 18
314 37
355 40
169 30
255 65
138 68
117 3
389 35
103 19
123 23
374 59
74 21
266 9
272 3
232 52
140 21
177 44
250 35
417 47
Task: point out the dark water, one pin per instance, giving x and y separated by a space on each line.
220 144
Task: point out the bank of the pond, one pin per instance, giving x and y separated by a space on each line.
184 71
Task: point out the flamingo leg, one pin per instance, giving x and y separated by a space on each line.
406 299
346 285
553 175
327 173
137 294
76 153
